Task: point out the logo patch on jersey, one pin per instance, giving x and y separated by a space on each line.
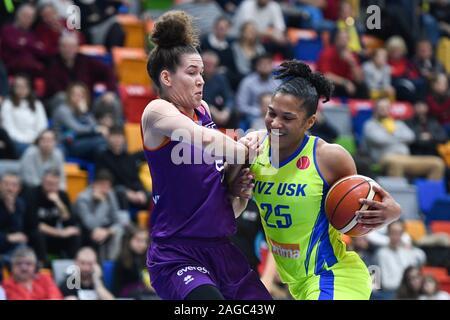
188 279
303 163
181 271
285 250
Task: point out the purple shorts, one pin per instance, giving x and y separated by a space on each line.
177 269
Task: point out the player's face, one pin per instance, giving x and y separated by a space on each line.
286 121
186 84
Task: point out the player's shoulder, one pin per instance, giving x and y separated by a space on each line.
206 107
161 107
334 161
331 151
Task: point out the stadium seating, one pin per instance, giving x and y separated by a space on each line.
9 166
407 198
307 44
134 29
437 272
108 267
134 99
133 137
60 269
77 180
443 53
131 65
428 192
440 227
98 52
348 143
339 117
416 229
142 219
440 210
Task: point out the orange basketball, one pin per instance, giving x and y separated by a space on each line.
342 202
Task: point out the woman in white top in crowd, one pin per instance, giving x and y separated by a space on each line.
23 116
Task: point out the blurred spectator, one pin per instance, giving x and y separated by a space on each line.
251 88
440 10
217 92
49 215
12 214
40 157
92 286
23 116
348 22
395 258
50 28
377 75
7 149
323 129
428 132
387 141
405 77
26 283
430 290
130 275
20 48
364 249
70 66
425 61
3 82
439 100
61 6
268 18
411 284
76 127
99 23
342 67
219 42
380 238
124 169
311 15
229 6
205 13
265 99
246 48
99 214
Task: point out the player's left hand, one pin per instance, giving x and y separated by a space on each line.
242 186
379 213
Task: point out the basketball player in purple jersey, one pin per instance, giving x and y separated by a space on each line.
190 256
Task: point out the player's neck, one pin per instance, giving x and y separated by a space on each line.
288 151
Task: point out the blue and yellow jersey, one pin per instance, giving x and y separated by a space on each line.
305 246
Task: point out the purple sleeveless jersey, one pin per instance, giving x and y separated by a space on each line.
190 199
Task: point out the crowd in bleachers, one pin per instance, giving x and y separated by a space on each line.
75 189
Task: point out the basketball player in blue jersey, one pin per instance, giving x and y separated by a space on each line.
190 256
310 256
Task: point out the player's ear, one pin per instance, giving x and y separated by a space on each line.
164 78
310 121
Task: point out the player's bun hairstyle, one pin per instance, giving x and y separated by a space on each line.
173 35
300 81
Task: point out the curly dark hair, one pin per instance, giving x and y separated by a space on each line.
173 35
301 82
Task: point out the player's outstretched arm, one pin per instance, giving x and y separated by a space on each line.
163 118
